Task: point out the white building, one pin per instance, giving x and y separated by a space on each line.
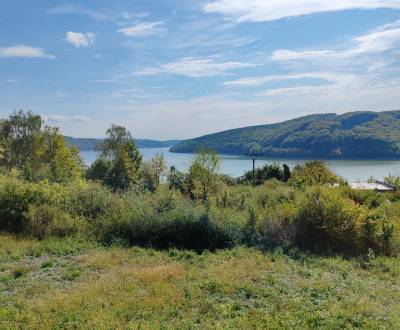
376 186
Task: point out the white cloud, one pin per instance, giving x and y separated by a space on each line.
195 67
206 115
260 80
60 94
142 29
295 91
377 41
127 15
25 51
270 10
64 119
80 39
71 9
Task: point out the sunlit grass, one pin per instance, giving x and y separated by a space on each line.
104 288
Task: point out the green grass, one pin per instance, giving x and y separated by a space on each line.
91 287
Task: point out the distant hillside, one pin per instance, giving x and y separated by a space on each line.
354 135
86 144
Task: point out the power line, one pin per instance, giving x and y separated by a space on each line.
356 58
367 83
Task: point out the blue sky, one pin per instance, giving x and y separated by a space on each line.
183 68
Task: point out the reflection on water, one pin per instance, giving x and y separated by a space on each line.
236 165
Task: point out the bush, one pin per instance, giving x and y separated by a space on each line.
278 227
15 198
265 173
313 173
90 200
370 199
169 221
50 221
319 219
328 222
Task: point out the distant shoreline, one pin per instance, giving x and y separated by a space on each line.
293 157
89 144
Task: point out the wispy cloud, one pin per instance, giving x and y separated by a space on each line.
64 119
79 39
143 29
60 94
262 10
116 79
72 9
25 51
377 41
295 91
260 80
212 113
195 67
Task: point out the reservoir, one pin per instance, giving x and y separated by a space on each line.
351 170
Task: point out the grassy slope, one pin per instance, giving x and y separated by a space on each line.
71 284
352 135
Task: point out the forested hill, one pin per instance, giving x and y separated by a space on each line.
354 135
85 144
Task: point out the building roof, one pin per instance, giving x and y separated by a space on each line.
377 186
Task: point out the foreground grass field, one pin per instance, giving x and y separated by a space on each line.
73 284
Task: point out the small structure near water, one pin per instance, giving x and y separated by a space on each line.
375 186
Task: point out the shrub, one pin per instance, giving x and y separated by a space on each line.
278 228
377 234
327 222
267 172
47 220
313 173
167 222
15 198
90 200
370 199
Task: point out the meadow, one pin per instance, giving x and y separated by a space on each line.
129 244
71 284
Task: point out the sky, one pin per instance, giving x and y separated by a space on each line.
177 69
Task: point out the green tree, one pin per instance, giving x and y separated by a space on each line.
313 173
120 161
37 151
267 172
153 171
203 173
177 180
116 138
99 170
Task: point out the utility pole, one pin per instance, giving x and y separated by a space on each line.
254 172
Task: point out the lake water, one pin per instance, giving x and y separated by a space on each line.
237 165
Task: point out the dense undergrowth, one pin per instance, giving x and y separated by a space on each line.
318 219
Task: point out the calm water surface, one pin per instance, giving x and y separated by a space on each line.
237 165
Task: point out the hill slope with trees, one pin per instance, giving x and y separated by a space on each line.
354 135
